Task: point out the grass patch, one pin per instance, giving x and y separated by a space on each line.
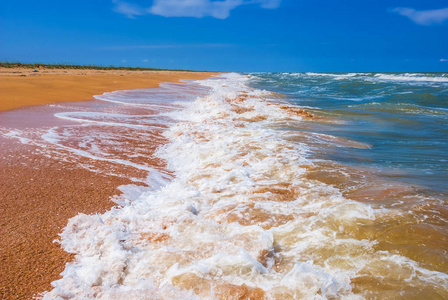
81 67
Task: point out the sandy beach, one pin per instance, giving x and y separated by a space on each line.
305 158
22 87
39 194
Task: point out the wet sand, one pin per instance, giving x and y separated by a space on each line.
39 194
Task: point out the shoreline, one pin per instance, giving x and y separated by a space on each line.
23 87
41 193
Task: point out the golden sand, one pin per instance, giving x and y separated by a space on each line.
40 194
23 87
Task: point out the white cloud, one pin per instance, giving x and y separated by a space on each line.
194 8
128 9
424 17
444 59
189 8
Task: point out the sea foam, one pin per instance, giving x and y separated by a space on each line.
240 217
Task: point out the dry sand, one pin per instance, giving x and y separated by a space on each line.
38 194
22 87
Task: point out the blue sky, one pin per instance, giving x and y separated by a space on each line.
230 35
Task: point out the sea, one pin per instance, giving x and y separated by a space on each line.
261 186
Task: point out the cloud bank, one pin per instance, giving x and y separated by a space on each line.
189 8
424 17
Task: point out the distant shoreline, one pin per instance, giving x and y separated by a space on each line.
25 85
82 67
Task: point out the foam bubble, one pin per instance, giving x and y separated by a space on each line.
240 216
18 135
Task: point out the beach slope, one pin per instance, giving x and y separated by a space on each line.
23 87
39 194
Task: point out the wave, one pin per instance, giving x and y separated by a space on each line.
402 77
240 218
412 77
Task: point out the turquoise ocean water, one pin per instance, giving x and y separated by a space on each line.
402 116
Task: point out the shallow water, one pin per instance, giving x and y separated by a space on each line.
258 195
404 117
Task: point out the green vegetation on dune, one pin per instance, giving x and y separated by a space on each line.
80 67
